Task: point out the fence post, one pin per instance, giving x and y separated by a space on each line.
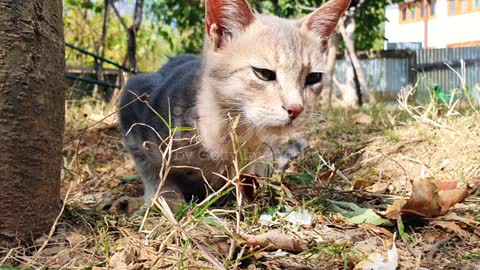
412 63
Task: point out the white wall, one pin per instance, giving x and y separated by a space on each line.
442 29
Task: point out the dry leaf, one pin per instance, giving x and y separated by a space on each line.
378 188
463 219
394 210
377 229
429 199
273 240
325 176
359 183
477 231
451 226
446 185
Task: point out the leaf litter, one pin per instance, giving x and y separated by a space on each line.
309 234
429 199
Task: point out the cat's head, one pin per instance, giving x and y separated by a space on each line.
267 68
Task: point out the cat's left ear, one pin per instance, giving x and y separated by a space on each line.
225 19
324 20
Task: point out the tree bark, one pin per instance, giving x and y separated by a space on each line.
101 49
132 34
131 31
348 89
31 117
331 61
350 47
103 39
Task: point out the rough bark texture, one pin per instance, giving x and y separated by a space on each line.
332 51
101 50
31 117
350 48
131 31
348 89
132 34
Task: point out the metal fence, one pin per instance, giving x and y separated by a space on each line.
432 65
388 71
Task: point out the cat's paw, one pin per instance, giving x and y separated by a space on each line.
290 152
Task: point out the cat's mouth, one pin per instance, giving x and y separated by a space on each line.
285 125
270 120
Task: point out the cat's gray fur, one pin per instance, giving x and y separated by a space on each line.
174 86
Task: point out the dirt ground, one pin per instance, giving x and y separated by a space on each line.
334 208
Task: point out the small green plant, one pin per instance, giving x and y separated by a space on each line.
472 254
129 179
391 135
302 179
105 242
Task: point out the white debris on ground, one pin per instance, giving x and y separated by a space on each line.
303 218
375 261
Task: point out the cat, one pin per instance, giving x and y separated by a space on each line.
259 73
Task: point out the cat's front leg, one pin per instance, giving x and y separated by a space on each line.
148 160
260 168
170 191
278 162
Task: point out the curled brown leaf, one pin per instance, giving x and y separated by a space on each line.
273 240
429 199
453 227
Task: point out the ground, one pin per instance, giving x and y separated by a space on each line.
330 210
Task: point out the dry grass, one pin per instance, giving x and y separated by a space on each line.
392 146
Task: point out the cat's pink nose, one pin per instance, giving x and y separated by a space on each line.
293 110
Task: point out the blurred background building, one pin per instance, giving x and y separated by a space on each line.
433 24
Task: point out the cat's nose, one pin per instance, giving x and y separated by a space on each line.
293 110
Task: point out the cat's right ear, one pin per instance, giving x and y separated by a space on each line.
226 18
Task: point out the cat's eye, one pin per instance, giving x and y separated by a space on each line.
265 74
313 78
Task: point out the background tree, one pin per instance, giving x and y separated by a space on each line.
84 21
31 117
131 31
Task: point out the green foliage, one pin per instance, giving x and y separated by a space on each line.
83 27
303 179
369 23
184 20
357 214
182 23
175 27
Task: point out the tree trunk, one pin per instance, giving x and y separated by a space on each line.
331 61
131 31
132 34
132 48
31 117
347 36
103 39
101 49
348 89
